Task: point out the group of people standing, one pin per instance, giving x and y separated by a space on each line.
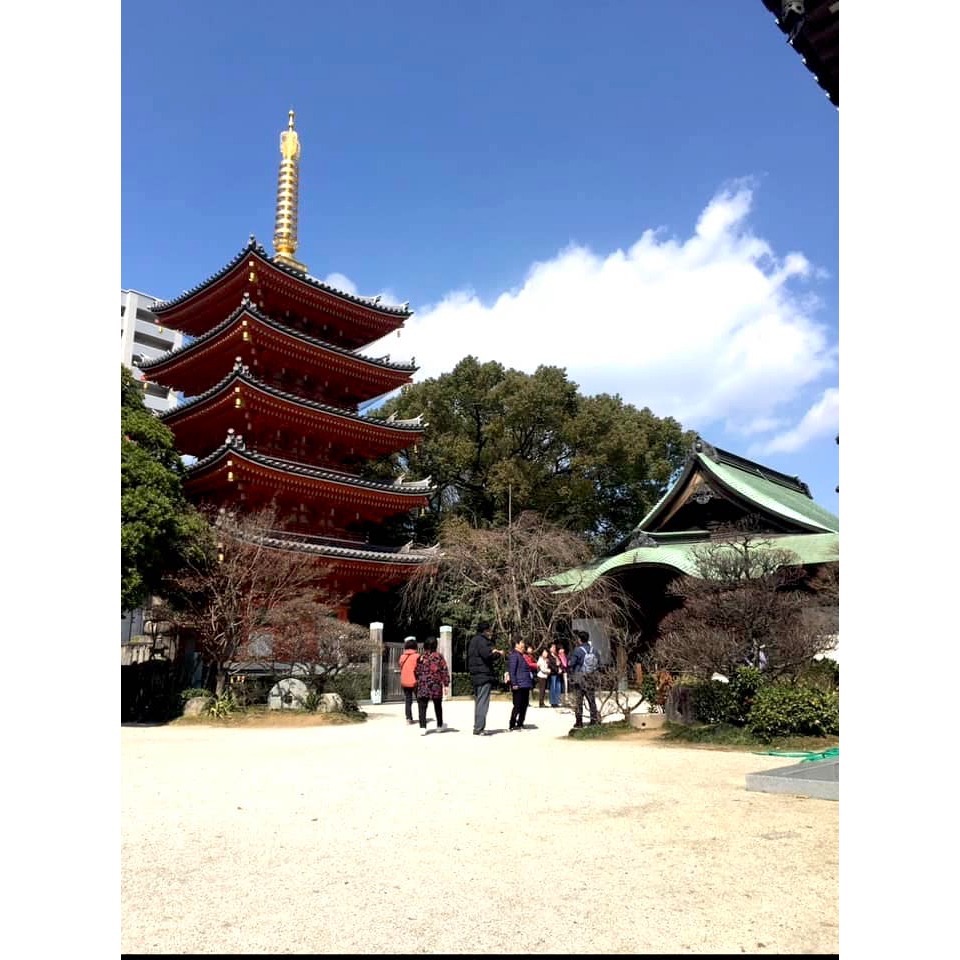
424 675
551 669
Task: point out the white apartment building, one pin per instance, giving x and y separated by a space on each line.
142 336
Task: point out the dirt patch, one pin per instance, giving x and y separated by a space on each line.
273 718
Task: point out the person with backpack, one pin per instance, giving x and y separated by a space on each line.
584 663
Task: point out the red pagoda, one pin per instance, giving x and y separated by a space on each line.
274 381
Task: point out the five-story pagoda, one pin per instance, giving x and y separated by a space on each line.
274 379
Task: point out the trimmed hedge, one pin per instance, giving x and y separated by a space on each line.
719 702
784 710
769 710
712 701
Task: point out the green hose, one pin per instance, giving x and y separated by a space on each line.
805 756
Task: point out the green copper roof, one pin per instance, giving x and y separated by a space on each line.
808 548
788 503
771 491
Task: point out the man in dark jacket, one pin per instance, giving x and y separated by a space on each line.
582 683
480 654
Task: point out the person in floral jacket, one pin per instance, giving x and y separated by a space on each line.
432 676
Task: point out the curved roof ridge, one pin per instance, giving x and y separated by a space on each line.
787 502
760 470
161 305
248 306
242 372
234 444
372 303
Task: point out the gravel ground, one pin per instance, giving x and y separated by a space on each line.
368 838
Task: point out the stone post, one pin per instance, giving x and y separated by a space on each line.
376 663
446 648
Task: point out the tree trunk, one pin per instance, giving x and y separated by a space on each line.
221 686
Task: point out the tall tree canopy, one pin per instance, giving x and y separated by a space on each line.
158 527
499 441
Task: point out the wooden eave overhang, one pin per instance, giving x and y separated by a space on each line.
816 40
354 321
232 466
240 400
258 341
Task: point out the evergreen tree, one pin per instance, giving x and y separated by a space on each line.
500 441
158 527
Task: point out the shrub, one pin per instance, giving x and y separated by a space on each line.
823 674
648 689
744 686
460 685
192 692
712 701
782 710
223 706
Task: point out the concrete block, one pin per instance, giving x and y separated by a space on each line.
817 778
647 721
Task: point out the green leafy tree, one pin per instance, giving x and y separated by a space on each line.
500 441
158 528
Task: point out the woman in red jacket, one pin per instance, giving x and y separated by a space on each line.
408 677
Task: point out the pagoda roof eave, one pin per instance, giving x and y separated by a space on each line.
157 365
815 38
415 490
242 374
404 556
253 248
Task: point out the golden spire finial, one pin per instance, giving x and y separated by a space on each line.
285 228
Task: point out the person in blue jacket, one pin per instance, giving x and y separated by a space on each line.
521 683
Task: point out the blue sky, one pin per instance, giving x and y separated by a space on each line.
645 194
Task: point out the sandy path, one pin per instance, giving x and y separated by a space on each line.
371 839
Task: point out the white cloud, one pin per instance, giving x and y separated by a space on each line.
708 330
341 282
821 419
